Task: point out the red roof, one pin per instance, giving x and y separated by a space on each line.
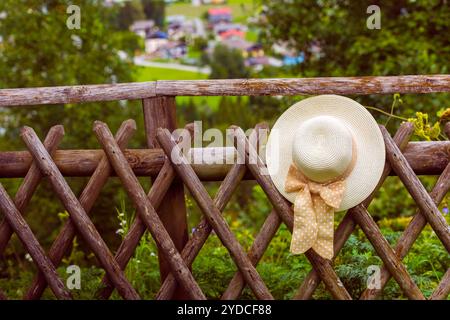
232 33
217 11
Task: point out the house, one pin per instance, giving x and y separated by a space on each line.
219 15
142 27
155 41
225 31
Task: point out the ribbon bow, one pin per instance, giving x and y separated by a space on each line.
314 208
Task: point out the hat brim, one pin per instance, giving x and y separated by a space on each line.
370 158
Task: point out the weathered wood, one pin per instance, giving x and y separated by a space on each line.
428 208
31 244
259 246
160 112
428 158
226 87
348 225
29 184
285 211
76 94
386 253
410 235
213 215
128 246
443 289
146 211
203 229
137 229
87 198
84 225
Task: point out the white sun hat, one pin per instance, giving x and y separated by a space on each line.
327 137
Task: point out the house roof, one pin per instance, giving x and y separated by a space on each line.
232 33
219 11
158 35
142 25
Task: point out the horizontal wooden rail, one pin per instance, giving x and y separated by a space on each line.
428 158
226 87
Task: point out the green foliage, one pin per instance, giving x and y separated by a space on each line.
423 129
155 10
129 12
282 272
39 50
336 42
227 63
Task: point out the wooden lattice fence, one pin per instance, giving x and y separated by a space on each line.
162 210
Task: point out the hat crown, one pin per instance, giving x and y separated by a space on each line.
322 148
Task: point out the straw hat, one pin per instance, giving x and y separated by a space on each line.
327 137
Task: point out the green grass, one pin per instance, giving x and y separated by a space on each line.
240 9
153 74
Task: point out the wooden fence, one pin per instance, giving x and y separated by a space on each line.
162 210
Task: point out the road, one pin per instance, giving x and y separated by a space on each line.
140 61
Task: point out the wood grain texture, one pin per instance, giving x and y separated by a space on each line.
87 198
285 211
386 253
259 246
146 211
160 112
443 289
348 225
410 235
412 183
131 240
31 244
78 215
226 87
213 215
137 229
204 229
429 158
76 94
29 184
306 86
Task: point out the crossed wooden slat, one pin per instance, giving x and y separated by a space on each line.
87 199
272 223
156 194
348 224
78 215
147 219
204 229
402 168
14 221
212 214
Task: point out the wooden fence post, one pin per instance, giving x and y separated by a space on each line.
161 112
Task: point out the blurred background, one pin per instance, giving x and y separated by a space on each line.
145 40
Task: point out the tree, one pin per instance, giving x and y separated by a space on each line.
336 41
128 13
155 10
227 63
38 49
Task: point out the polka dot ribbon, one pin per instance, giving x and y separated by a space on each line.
314 207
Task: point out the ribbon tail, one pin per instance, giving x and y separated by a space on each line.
305 229
324 245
